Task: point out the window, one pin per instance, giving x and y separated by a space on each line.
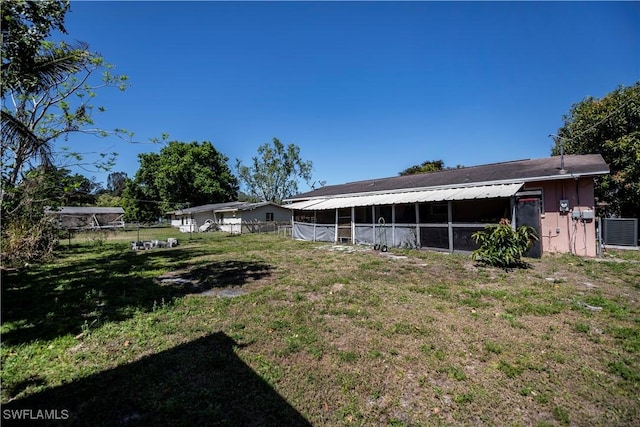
269 216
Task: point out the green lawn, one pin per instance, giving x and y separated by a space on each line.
263 330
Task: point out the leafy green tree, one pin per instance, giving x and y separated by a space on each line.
274 173
70 189
107 200
140 200
424 167
34 116
59 187
427 166
116 183
48 91
47 88
180 175
25 25
609 126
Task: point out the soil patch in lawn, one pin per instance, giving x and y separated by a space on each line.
224 279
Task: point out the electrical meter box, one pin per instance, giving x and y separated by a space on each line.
587 215
564 206
576 214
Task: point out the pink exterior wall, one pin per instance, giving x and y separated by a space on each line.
560 232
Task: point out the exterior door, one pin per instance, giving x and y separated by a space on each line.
528 213
344 225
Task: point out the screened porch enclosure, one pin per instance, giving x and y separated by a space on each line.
447 225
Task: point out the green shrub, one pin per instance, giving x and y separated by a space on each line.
501 245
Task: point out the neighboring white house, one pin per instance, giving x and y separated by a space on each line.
232 217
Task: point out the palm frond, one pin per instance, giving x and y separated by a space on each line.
53 64
14 130
14 134
48 68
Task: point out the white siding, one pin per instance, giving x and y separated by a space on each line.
260 214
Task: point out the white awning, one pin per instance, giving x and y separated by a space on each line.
303 205
436 195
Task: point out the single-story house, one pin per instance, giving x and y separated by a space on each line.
232 217
441 210
76 218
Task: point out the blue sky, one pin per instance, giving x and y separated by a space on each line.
365 89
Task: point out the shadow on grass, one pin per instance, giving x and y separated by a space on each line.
88 288
201 383
519 265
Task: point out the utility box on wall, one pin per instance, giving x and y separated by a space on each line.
564 206
584 215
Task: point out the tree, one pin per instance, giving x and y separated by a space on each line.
274 173
47 88
47 94
25 24
611 127
116 183
108 200
34 116
181 175
424 167
427 166
58 187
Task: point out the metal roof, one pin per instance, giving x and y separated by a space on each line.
432 195
246 206
303 205
80 210
222 207
206 208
